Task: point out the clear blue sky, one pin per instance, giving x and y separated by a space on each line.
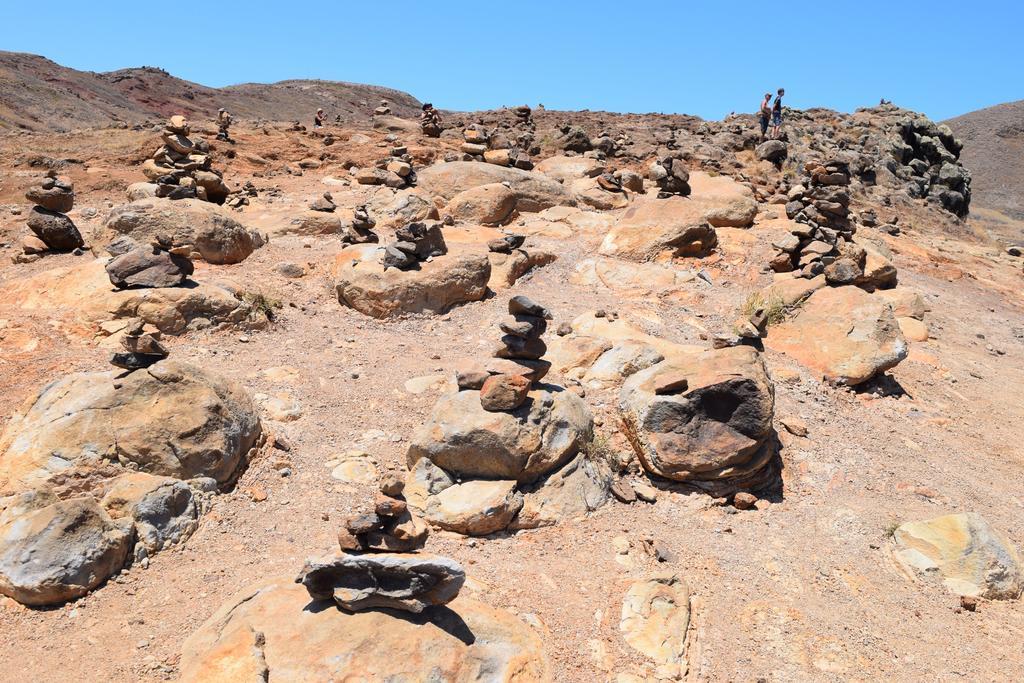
704 58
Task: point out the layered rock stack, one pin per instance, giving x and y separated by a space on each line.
521 344
415 243
395 171
160 264
52 229
496 148
377 566
672 176
430 122
926 155
182 169
524 115
142 347
383 109
360 230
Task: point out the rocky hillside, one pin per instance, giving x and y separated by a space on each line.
38 94
994 152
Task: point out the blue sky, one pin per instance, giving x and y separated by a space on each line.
703 58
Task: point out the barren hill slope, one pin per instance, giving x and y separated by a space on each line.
994 153
38 94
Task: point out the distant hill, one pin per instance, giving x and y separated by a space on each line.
994 154
39 94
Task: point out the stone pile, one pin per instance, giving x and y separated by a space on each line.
926 155
671 175
524 115
823 242
142 347
324 203
497 147
51 228
383 109
520 343
377 567
395 171
414 243
182 169
160 264
360 230
430 122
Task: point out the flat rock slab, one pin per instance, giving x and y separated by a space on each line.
655 617
965 553
405 582
844 333
273 631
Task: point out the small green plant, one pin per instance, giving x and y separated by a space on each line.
261 304
598 448
891 527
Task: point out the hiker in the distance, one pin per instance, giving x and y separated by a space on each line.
318 120
766 114
777 114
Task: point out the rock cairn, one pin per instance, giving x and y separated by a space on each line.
504 384
430 122
497 147
524 115
926 155
391 527
825 235
160 264
671 175
414 243
182 169
141 345
395 171
378 566
383 109
360 230
52 229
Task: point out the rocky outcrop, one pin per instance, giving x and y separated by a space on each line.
533 191
654 227
844 333
704 418
212 232
271 631
363 283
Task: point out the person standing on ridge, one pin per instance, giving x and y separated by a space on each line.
318 120
766 114
777 114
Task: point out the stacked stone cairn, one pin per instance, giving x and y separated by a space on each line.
823 242
360 230
159 264
926 157
395 171
181 168
52 229
324 203
671 176
414 243
379 565
383 109
430 122
504 385
497 148
142 347
524 115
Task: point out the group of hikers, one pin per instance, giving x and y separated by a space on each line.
430 120
771 114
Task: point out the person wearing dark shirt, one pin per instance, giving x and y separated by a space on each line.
777 114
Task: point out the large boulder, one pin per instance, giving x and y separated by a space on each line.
475 508
539 436
397 210
580 487
83 293
52 551
210 229
652 228
567 169
363 283
704 418
272 631
56 230
491 204
844 333
170 419
964 552
534 191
